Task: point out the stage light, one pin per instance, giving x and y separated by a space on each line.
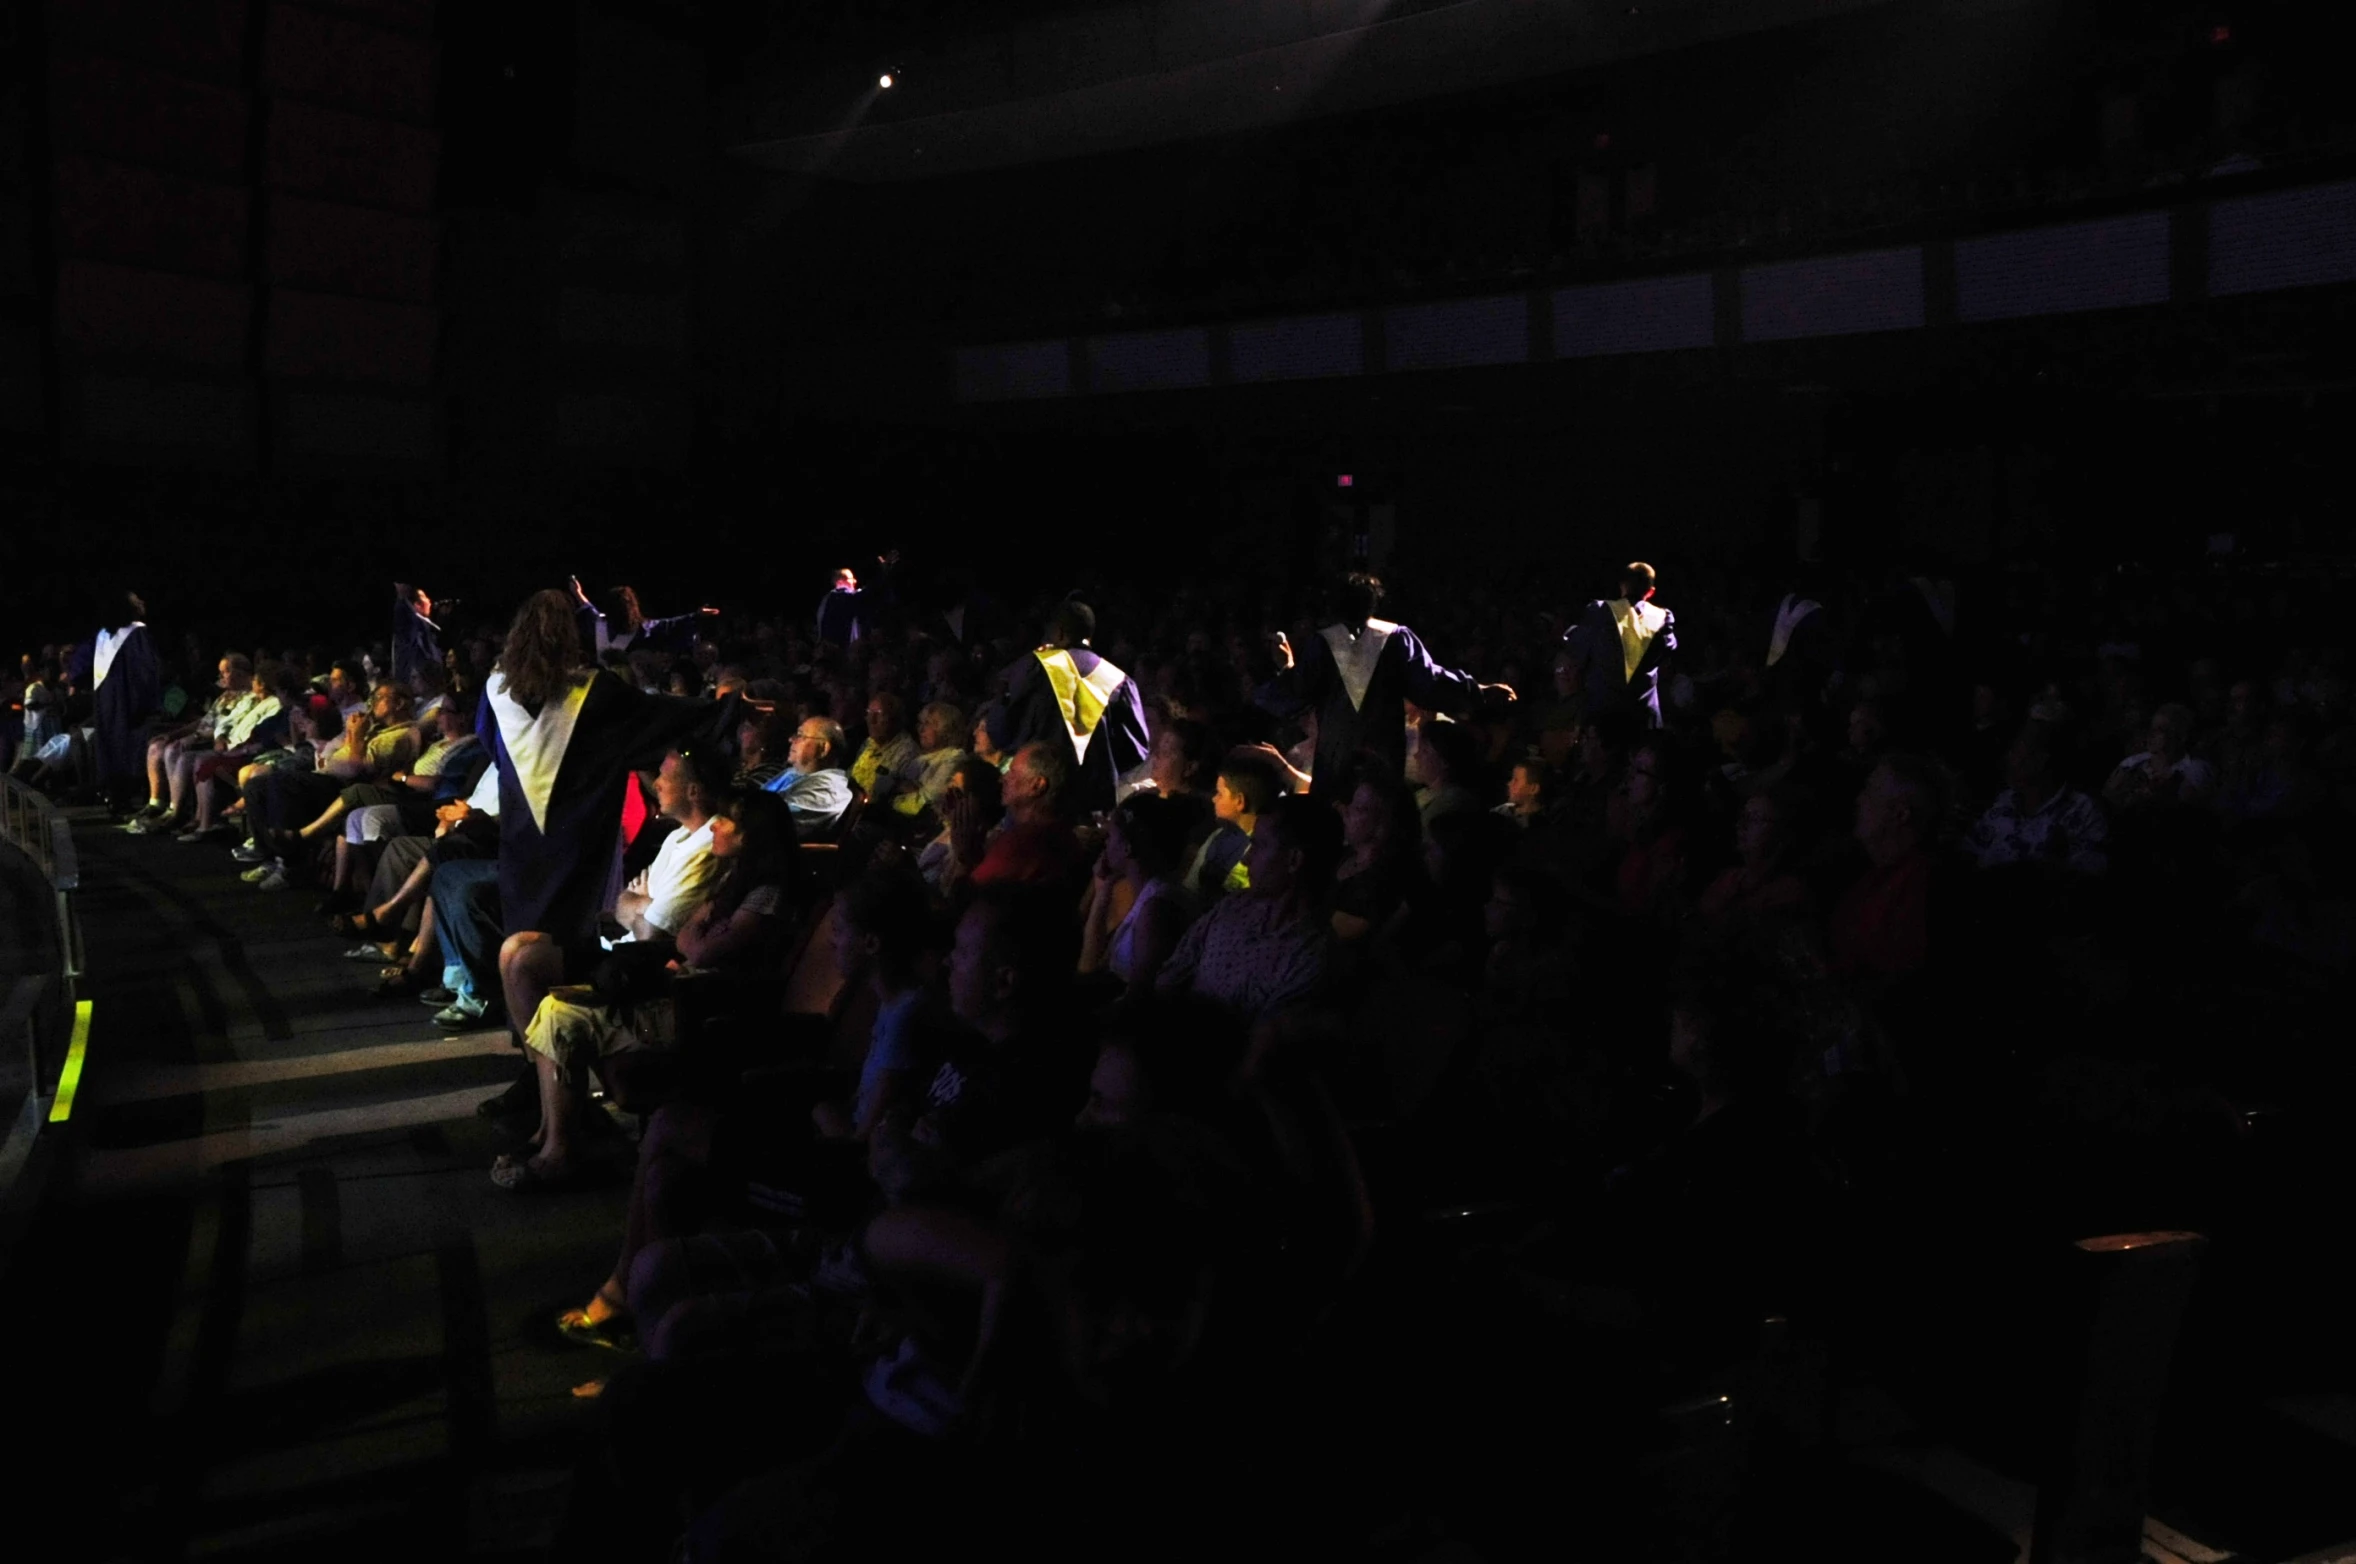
884 81
2221 35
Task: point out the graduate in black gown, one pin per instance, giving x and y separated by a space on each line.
417 640
622 627
1358 675
566 739
127 683
1064 693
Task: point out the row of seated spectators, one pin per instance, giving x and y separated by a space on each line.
981 1139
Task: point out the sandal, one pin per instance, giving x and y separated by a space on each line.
613 1332
361 925
393 982
517 1176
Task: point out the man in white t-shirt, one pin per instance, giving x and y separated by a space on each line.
659 902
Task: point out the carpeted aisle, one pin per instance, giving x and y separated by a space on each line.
271 1304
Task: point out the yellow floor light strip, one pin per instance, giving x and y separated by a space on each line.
70 1078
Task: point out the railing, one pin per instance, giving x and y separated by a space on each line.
32 824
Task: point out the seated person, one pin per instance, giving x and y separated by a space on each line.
2165 771
922 782
1382 859
405 804
976 790
814 785
1266 947
1881 927
761 745
1525 793
1033 844
888 749
1141 861
2039 818
1762 882
172 752
1247 787
1447 761
254 725
714 892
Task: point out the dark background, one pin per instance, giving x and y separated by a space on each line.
300 298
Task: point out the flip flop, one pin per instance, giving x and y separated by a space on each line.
517 1176
613 1332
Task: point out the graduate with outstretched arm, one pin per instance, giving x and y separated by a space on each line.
417 640
621 626
1358 675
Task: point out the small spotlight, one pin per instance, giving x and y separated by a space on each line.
1345 481
884 81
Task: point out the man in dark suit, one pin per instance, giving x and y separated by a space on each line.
1620 647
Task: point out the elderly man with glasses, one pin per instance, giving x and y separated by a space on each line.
814 785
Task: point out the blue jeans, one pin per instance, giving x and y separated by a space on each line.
466 923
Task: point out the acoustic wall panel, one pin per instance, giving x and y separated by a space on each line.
108 211
332 248
1308 347
131 413
125 312
345 425
1651 315
332 59
199 37
1458 334
2116 263
350 158
319 336
136 114
648 322
2284 239
1838 295
1013 371
1150 360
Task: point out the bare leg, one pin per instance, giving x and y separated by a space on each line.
334 815
343 866
425 947
556 1118
157 780
530 964
413 890
183 779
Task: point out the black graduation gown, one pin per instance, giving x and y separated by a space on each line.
122 705
417 643
557 864
1376 723
1117 746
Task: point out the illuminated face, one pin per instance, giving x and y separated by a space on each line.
727 836
809 749
673 792
227 679
933 733
1268 861
1522 788
385 702
1227 804
883 723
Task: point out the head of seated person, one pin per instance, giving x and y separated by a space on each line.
1012 959
753 835
939 726
1183 758
390 706
1901 810
818 745
1034 785
1247 788
1447 763
429 682
1146 838
1296 849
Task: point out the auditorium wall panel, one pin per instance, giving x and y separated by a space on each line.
332 248
193 37
319 336
129 312
140 418
137 114
351 158
332 59
321 429
112 211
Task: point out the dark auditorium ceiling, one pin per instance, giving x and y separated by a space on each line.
1110 77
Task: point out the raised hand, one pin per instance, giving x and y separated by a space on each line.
1503 692
1282 648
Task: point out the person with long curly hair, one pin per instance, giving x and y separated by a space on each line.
566 740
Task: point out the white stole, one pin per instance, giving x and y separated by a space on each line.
1354 656
536 745
1787 619
102 657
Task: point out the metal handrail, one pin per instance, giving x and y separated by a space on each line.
32 823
